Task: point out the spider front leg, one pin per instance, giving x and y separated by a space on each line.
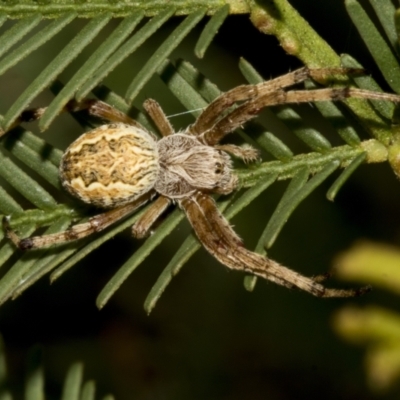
79 231
302 74
221 241
252 108
212 113
96 108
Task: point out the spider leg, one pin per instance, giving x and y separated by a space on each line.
302 74
221 241
102 110
93 107
217 222
142 226
212 113
216 245
79 231
159 118
251 108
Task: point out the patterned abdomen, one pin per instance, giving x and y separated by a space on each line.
111 165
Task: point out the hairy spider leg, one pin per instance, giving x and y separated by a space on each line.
218 223
159 118
142 226
251 108
94 224
94 107
221 241
213 112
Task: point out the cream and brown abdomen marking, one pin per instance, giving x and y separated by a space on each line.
111 165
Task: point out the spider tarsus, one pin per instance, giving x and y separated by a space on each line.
354 71
6 222
71 106
363 290
342 293
338 292
31 115
322 277
25 244
87 104
249 154
359 71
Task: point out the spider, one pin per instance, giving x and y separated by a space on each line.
121 166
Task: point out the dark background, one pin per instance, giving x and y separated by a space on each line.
208 337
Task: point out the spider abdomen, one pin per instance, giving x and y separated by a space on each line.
111 165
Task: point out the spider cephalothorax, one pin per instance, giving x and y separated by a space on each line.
121 166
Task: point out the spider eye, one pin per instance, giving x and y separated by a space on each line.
218 168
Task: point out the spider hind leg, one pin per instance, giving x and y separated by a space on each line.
216 235
75 232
